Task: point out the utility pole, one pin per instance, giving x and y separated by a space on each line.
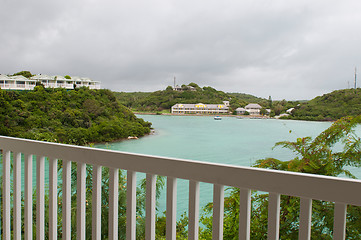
355 76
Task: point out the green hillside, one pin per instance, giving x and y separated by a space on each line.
165 99
78 116
331 106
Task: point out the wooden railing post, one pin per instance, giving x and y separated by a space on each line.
66 207
96 202
40 201
131 205
6 194
218 212
339 225
273 216
53 199
17 195
150 207
81 201
171 208
244 214
193 223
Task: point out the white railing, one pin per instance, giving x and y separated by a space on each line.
277 183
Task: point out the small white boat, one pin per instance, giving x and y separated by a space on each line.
132 137
217 118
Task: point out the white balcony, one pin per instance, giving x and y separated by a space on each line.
342 192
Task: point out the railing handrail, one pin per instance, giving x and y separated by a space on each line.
282 182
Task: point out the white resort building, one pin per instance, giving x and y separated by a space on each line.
253 108
201 108
23 83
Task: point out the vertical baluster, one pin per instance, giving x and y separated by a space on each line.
113 203
245 214
1 186
339 225
80 192
96 203
17 195
131 205
171 208
150 207
193 210
6 194
305 218
66 199
218 212
28 197
273 216
40 202
53 199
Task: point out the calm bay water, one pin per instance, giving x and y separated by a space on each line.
229 141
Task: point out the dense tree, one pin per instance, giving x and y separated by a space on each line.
331 106
26 74
78 116
164 100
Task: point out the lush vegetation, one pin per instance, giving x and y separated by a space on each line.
315 156
79 116
331 106
26 74
161 101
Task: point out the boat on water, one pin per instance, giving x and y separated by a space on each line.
217 118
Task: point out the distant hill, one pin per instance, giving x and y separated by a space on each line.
330 106
192 93
248 97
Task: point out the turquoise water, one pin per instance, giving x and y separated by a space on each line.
230 141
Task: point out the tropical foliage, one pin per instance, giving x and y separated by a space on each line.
160 100
26 74
322 155
79 116
163 100
331 106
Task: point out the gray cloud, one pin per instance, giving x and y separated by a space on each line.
286 49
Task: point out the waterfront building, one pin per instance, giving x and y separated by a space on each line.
240 110
253 108
23 83
200 108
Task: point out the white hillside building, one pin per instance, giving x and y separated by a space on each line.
253 108
23 83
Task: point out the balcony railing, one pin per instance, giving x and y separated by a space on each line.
277 183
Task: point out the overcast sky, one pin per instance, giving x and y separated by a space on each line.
280 48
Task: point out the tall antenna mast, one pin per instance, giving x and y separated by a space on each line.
174 81
355 76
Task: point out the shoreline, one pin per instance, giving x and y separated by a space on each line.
228 115
204 115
